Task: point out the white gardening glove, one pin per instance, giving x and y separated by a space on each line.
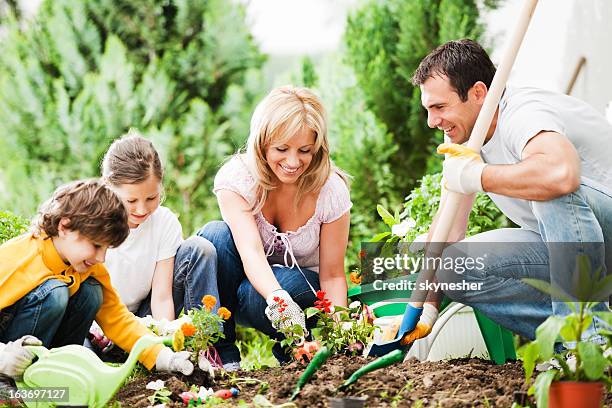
462 168
283 312
171 362
424 325
14 358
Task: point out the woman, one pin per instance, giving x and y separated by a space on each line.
286 220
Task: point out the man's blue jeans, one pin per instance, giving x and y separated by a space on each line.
241 298
49 313
195 275
583 218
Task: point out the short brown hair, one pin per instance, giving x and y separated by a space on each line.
463 62
93 209
131 159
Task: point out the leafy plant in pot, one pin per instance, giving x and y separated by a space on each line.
579 373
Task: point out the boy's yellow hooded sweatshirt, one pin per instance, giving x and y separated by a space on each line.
27 261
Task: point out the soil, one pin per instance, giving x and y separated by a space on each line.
454 383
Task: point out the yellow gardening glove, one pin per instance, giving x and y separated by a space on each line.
462 168
421 330
423 326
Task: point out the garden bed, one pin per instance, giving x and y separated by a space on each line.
454 383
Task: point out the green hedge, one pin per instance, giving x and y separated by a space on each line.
11 225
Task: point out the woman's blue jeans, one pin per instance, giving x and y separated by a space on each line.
580 222
49 313
195 275
240 297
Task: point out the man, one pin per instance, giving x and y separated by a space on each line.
545 163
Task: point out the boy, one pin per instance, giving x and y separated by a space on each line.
53 284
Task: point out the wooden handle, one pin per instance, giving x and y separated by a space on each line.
449 211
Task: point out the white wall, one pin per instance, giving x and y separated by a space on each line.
561 32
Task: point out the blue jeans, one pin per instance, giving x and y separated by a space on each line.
582 218
195 275
241 298
49 313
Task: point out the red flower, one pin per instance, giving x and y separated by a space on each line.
362 254
323 304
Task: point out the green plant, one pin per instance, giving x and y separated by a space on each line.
255 349
591 364
11 225
341 329
207 327
421 206
160 396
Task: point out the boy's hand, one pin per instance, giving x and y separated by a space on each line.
14 358
171 362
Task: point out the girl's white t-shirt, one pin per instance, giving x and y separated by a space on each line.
132 264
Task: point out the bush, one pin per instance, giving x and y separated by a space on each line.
11 226
84 72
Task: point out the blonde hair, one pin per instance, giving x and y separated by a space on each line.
277 118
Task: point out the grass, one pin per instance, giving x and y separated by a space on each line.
255 349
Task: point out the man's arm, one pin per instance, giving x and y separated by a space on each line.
550 168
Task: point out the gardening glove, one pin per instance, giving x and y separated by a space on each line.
283 312
423 326
171 362
14 358
462 168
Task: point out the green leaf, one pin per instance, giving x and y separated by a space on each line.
385 215
380 237
530 356
546 287
593 362
311 311
605 316
547 334
604 289
542 387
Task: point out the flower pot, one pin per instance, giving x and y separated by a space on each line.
566 394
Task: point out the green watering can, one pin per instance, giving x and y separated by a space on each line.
89 380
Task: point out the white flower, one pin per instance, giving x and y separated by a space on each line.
355 304
204 393
155 385
403 227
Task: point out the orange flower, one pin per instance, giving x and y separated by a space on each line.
188 329
209 301
355 278
224 313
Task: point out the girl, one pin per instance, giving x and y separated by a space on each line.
286 220
155 272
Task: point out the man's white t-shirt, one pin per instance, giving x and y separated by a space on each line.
525 112
132 264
